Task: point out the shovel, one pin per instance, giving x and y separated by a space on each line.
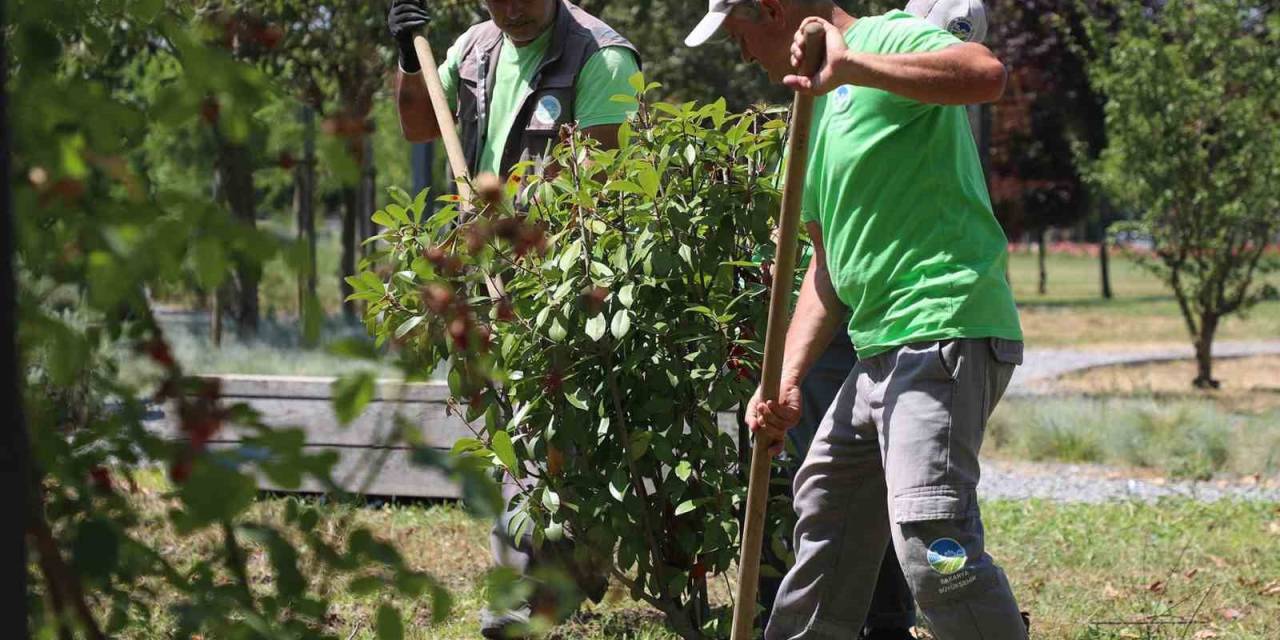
784 268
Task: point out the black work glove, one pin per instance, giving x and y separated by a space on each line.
404 21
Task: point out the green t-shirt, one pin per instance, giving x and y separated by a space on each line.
605 75
897 187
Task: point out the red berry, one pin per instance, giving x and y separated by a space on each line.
270 36
505 312
438 298
552 383
158 350
210 110
180 470
593 299
460 329
286 161
698 572
101 478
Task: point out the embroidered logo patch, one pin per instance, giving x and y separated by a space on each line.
549 110
961 28
947 556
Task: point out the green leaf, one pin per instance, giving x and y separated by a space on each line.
618 485
626 295
621 325
96 550
578 399
551 500
389 624
555 532
596 327
647 178
640 444
384 219
505 451
351 394
557 332
210 262
441 604
216 491
637 81
624 186
408 325
685 507
684 470
570 256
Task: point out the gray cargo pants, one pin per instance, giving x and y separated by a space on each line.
900 445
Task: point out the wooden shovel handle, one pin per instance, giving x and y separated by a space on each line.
784 268
444 115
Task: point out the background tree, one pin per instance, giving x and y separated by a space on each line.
1191 122
1048 112
14 449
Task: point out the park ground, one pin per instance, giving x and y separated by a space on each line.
1170 568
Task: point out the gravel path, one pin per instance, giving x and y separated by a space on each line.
1004 480
1043 365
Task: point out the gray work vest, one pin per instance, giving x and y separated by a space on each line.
548 103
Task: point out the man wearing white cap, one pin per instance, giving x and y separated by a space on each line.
908 251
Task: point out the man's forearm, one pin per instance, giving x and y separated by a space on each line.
417 116
960 74
819 315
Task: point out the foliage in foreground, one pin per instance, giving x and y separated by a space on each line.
96 234
626 318
1192 147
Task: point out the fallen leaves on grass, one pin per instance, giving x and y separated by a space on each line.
1156 587
1205 634
1271 588
1230 614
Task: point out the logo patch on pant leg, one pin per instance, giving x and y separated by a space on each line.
947 556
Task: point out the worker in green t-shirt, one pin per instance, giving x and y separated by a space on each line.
906 244
513 83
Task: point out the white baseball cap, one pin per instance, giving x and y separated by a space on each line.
964 19
717 11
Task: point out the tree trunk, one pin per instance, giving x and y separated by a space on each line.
236 175
368 194
15 449
1044 273
348 267
305 205
1204 352
215 317
1104 262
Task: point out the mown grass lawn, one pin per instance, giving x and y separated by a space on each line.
1172 570
1143 310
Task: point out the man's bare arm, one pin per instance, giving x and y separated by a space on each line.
818 315
417 116
965 73
961 74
